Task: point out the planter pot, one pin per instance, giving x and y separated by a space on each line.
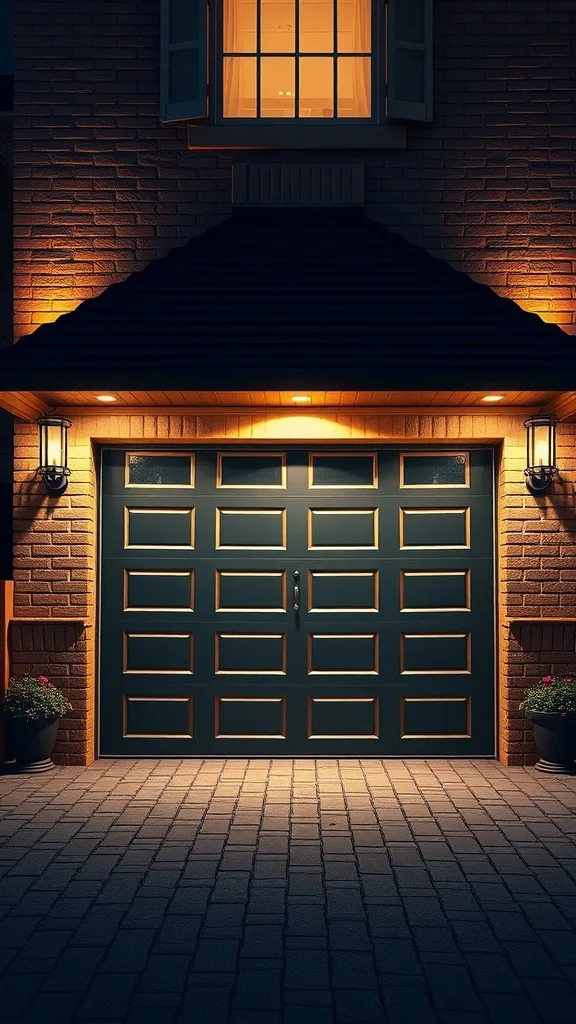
555 738
31 742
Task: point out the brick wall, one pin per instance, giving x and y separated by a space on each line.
537 578
6 319
102 187
55 549
64 653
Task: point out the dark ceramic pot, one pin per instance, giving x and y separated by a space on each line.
555 738
31 742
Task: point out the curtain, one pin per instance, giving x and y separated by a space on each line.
239 73
362 66
354 73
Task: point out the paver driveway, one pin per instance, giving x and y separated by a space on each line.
287 892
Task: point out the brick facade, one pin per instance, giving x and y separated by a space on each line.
55 547
6 330
101 187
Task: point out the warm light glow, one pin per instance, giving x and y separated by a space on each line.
301 399
302 426
106 398
298 53
540 451
54 446
541 445
53 452
493 398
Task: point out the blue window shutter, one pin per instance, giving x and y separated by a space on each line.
184 59
409 59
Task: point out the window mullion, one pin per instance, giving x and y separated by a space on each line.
258 58
296 58
297 54
335 60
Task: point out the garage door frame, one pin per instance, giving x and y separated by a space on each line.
339 444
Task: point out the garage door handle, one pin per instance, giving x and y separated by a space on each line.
296 590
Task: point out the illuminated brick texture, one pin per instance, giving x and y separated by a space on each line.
55 547
101 187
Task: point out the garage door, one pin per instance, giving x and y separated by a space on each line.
297 602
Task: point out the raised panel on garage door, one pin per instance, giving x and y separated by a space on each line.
297 600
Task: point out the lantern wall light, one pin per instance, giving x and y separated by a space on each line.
540 452
53 441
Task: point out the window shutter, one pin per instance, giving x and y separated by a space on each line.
184 59
409 59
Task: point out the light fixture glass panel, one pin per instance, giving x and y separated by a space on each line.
43 453
540 451
240 26
316 27
277 21
354 86
354 26
239 87
54 454
277 87
541 455
316 87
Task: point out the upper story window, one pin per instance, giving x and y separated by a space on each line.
259 70
297 59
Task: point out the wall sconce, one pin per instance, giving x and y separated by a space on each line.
540 452
53 431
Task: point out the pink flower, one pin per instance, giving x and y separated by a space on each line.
562 714
547 680
44 681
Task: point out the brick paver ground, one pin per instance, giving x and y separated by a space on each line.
288 892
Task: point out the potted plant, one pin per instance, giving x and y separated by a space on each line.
32 707
551 707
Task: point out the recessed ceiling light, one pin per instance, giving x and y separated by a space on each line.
105 398
301 399
493 398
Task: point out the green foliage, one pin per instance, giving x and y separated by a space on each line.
34 697
553 695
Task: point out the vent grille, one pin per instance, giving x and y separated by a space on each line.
298 184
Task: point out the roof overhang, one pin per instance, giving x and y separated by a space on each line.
293 299
460 378
28 405
23 404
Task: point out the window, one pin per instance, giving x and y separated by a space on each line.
299 65
297 58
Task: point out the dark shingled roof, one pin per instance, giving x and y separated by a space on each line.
294 298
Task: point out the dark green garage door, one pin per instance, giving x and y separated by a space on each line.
297 602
